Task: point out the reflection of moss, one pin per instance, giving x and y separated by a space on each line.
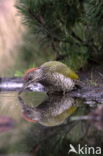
34 98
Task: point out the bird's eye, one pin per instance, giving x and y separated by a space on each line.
28 111
29 78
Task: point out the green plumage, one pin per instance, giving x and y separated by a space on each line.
56 66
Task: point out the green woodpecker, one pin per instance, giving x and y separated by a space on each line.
51 112
54 75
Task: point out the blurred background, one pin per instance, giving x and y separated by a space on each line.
32 33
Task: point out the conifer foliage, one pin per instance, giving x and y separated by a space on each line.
73 28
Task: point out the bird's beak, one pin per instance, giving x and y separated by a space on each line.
34 87
22 89
25 86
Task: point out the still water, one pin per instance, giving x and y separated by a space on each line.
25 130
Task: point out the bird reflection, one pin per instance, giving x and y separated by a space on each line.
51 112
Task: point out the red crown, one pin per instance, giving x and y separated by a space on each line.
28 71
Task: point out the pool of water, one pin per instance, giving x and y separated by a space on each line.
53 131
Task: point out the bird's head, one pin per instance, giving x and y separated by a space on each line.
29 74
32 75
30 115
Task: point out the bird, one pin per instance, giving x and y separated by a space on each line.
54 75
53 111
